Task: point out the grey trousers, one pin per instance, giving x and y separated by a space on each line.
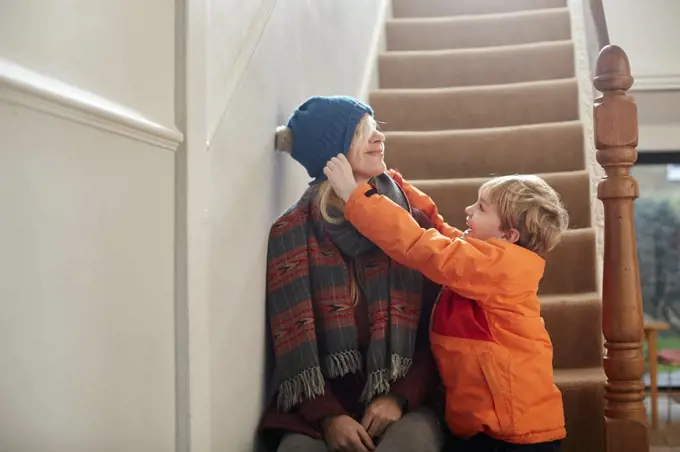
416 431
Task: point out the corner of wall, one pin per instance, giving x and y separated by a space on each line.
192 309
291 52
371 77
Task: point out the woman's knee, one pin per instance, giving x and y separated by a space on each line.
296 442
417 431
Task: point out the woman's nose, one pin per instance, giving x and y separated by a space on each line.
377 136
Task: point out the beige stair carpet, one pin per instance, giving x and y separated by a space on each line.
572 187
432 33
482 66
472 107
411 8
549 147
475 88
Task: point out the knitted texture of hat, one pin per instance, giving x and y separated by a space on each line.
323 127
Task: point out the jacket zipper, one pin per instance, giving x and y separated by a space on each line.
435 306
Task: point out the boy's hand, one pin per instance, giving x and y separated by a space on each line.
341 177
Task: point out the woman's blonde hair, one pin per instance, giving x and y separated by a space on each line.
325 195
327 198
528 204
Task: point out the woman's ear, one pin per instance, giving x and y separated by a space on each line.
512 235
283 141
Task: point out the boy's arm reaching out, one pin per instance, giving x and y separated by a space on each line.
424 203
467 266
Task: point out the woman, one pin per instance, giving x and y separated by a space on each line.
353 368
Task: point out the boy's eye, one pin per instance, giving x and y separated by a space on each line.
481 207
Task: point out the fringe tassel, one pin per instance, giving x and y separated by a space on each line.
308 383
400 367
343 363
378 383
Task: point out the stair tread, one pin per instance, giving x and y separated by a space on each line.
583 297
480 180
475 50
571 377
476 88
421 134
500 15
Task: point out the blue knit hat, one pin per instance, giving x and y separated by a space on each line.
321 128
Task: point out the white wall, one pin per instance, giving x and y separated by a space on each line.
234 30
649 32
122 50
306 47
133 257
87 226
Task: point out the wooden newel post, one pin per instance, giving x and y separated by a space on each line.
616 137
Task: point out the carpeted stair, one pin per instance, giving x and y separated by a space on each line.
475 88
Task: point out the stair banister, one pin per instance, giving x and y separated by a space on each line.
616 138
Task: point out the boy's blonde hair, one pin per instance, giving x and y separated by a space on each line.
528 204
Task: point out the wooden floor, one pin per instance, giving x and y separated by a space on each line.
667 437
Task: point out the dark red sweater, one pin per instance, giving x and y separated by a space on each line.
342 394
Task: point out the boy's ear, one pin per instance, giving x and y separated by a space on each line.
512 235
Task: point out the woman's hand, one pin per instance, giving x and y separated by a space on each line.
381 412
344 434
340 175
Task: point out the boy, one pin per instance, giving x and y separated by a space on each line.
492 349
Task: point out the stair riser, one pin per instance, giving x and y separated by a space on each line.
480 153
482 31
422 8
584 412
571 266
470 108
576 332
479 67
453 196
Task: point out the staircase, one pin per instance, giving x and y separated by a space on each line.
474 88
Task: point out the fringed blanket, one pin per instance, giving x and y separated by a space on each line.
310 265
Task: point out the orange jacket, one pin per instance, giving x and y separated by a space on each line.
492 349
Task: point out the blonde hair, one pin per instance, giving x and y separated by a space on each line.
325 195
528 204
